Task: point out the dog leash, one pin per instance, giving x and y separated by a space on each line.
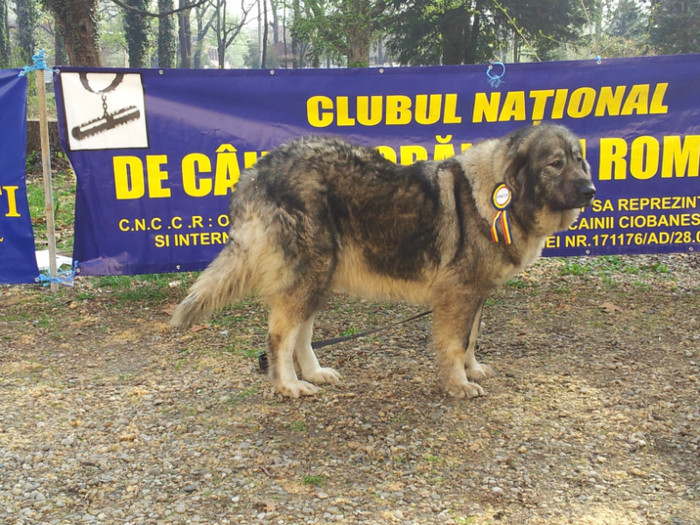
264 364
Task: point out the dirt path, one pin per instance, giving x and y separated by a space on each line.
108 417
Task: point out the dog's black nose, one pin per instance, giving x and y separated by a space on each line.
587 191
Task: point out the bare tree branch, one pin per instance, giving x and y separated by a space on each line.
158 15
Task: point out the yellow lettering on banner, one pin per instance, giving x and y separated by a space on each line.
227 169
10 192
412 154
450 114
443 149
681 156
540 96
161 241
156 176
613 165
428 109
646 157
129 181
657 106
319 111
193 165
343 112
638 102
559 103
486 106
370 110
609 102
392 110
513 107
581 102
398 110
554 104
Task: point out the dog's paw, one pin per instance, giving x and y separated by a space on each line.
323 375
296 389
479 372
464 390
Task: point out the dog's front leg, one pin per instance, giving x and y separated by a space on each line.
475 370
455 328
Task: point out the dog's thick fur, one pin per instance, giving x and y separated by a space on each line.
320 214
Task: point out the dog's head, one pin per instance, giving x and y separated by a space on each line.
546 170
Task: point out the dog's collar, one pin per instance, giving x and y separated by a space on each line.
501 199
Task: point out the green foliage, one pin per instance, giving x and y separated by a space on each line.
340 30
675 26
468 32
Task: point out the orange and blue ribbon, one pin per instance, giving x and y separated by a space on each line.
501 199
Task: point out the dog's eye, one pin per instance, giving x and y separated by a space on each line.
557 164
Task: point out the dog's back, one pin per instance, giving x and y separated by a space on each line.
326 211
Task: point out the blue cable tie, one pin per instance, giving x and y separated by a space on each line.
65 277
39 63
496 80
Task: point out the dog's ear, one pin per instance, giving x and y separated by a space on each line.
515 169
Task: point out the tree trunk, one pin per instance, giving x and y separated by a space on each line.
167 45
4 37
27 17
60 54
358 32
77 24
452 25
263 39
136 28
185 36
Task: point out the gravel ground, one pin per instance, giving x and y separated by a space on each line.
108 417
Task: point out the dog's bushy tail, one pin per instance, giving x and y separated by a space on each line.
225 280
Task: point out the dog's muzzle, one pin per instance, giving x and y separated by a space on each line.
586 192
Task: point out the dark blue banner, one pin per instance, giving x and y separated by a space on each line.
157 151
17 259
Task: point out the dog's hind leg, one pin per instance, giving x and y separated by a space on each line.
284 331
455 326
308 363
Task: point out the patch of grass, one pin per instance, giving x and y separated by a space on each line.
572 267
314 480
516 282
128 289
658 267
63 207
243 351
243 394
465 520
608 267
298 426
